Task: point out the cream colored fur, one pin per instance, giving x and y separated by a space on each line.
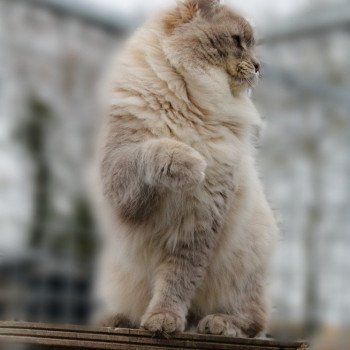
188 231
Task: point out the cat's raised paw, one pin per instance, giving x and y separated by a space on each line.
174 165
185 169
164 323
219 324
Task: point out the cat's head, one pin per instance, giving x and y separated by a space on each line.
204 34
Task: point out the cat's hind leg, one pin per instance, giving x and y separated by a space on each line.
244 314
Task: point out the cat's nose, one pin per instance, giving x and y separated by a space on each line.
257 66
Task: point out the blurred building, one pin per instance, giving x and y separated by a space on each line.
52 54
51 62
305 163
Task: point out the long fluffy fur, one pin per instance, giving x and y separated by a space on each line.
188 229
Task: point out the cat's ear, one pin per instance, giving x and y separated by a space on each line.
208 8
191 8
187 10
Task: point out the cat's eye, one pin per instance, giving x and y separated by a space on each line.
237 41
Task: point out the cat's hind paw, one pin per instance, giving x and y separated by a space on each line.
219 324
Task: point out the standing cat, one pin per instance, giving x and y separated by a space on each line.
189 231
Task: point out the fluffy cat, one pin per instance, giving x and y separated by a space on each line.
189 230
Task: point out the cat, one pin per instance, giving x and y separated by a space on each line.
188 230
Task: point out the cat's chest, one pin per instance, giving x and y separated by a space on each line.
218 145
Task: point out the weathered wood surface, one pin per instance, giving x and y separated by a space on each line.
43 336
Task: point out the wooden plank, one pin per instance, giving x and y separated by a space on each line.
116 343
143 333
114 339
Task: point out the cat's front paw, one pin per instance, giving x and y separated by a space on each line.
175 165
184 170
164 323
219 324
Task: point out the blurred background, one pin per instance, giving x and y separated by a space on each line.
52 53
